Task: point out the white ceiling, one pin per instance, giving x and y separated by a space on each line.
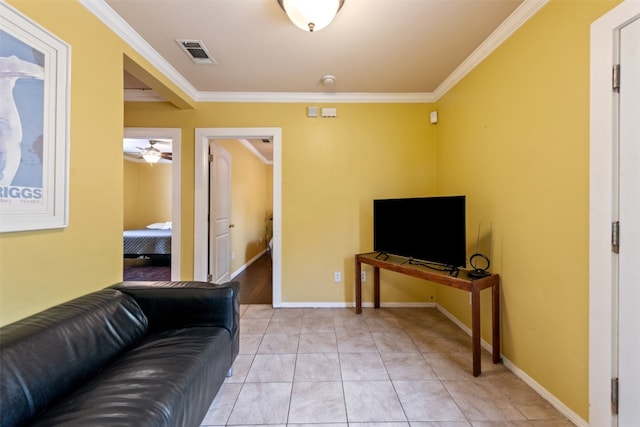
400 47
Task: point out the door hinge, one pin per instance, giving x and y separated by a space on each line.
615 78
615 237
210 158
209 278
614 396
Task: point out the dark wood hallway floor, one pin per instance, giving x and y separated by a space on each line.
256 282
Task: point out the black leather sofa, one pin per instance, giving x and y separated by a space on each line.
135 354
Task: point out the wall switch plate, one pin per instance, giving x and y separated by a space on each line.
363 276
337 277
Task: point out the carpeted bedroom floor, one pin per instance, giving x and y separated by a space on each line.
145 270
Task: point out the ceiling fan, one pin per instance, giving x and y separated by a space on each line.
152 155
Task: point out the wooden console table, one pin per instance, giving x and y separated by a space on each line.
462 281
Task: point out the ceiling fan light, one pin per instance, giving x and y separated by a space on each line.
151 156
311 15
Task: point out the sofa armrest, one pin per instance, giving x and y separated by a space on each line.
171 305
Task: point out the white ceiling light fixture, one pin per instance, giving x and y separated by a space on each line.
311 15
151 156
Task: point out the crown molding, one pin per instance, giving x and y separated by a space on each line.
110 18
119 26
522 14
342 97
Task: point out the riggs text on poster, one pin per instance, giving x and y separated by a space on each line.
13 194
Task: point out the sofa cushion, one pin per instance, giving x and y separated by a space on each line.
169 380
46 356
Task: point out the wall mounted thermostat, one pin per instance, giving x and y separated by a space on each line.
433 117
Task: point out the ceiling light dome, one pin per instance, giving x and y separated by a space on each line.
151 156
311 15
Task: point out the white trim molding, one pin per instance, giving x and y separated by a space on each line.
543 392
336 304
247 264
176 203
602 294
110 18
201 198
119 26
275 97
522 14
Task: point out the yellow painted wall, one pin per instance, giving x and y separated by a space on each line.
332 170
147 194
514 137
251 202
39 269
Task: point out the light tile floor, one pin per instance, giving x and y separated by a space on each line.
386 367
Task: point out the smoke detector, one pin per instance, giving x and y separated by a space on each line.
328 80
196 51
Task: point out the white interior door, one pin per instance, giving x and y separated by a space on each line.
629 216
219 214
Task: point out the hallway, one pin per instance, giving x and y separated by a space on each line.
256 282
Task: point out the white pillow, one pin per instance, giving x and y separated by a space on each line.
160 226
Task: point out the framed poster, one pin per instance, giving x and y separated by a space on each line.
34 125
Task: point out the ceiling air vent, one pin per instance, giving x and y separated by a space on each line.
196 51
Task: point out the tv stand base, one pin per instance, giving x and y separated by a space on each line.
463 281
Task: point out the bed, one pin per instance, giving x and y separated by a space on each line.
147 243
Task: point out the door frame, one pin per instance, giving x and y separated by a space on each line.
201 198
175 135
602 295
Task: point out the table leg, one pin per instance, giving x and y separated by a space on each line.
475 330
358 287
376 287
495 311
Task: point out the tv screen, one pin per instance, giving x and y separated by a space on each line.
430 229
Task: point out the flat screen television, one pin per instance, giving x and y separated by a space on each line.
429 229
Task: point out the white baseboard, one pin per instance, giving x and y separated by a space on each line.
543 392
248 263
315 305
352 305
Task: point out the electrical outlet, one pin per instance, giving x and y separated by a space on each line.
337 277
233 256
363 276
